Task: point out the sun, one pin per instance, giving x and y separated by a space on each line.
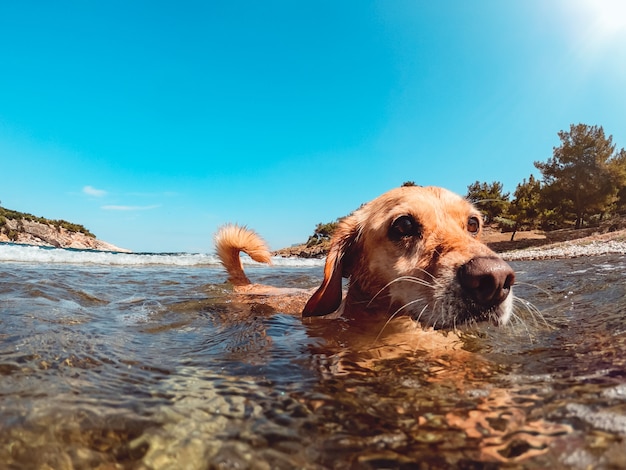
608 17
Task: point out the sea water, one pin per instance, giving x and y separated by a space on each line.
118 360
38 254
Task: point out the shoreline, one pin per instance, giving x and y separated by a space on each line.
594 244
531 246
611 243
566 250
94 245
43 233
100 247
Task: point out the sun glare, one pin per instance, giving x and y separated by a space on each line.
608 16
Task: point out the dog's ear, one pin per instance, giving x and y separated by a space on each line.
327 298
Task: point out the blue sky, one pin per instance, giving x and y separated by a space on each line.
152 123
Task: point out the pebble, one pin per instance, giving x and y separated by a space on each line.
567 250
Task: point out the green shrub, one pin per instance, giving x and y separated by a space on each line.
20 216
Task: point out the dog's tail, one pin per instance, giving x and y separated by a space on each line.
230 239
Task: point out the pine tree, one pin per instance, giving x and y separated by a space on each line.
579 174
489 198
524 208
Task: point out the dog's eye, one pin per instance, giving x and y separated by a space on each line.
473 225
403 227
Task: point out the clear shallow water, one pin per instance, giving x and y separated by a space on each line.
156 365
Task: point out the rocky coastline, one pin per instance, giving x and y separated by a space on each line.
319 250
27 232
590 246
535 245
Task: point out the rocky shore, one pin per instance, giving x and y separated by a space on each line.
528 245
588 246
303 251
40 234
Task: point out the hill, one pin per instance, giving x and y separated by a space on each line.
23 228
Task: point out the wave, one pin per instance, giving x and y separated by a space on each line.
10 252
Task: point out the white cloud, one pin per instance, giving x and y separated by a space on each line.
130 208
91 191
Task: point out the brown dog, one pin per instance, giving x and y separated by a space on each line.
414 250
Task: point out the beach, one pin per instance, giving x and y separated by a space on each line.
567 250
529 245
595 244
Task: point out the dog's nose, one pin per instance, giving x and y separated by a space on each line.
486 279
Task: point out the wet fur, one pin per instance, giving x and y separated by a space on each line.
413 275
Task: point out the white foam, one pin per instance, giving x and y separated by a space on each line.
35 254
294 262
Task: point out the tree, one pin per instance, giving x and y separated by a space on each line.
489 198
524 208
322 232
617 166
577 177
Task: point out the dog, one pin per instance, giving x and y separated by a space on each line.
412 251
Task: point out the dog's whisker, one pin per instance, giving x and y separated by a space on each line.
435 319
522 314
391 317
368 303
421 313
541 289
533 311
520 321
413 302
413 279
417 324
432 276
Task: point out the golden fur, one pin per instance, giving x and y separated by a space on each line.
232 239
413 250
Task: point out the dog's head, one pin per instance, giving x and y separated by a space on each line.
415 250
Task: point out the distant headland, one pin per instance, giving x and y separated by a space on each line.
27 229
